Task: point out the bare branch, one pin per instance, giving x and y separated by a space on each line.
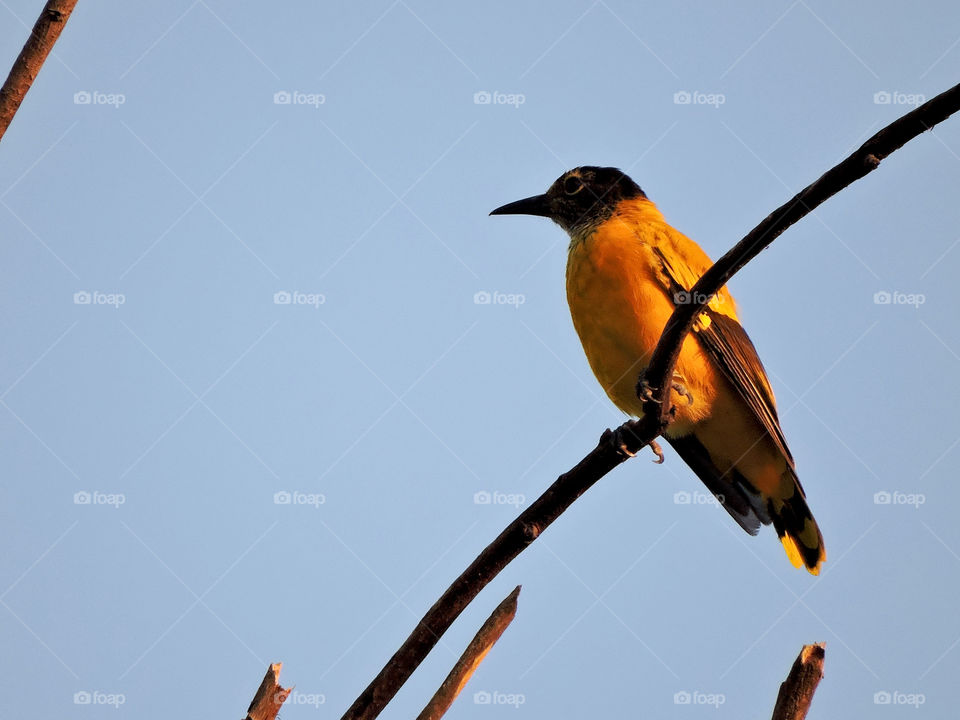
615 447
45 33
796 692
496 556
270 696
476 651
862 161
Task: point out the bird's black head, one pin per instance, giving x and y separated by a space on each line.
580 198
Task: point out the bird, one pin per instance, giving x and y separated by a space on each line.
627 270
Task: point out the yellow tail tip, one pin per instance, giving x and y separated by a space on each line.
796 557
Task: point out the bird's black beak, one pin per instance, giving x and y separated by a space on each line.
536 205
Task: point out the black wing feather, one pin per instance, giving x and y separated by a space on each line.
729 346
732 352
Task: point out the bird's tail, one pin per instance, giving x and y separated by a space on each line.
797 529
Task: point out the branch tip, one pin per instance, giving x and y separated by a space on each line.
468 663
269 696
796 692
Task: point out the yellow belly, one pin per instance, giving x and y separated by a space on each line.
619 307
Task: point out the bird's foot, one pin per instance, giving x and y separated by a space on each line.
658 451
682 391
645 390
620 441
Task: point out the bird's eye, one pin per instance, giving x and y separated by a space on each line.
572 185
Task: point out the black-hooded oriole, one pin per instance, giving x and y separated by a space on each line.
626 271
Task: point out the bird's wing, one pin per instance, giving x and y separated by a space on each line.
727 344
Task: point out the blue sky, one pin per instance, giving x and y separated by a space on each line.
202 478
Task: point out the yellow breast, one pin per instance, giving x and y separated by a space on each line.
620 305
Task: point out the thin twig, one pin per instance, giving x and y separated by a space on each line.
270 696
609 452
476 651
796 692
45 33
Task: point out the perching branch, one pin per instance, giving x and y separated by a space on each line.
615 447
270 696
496 556
45 33
862 161
796 692
476 651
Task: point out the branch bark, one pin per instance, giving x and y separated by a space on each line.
45 32
862 161
615 447
796 692
468 663
270 696
496 556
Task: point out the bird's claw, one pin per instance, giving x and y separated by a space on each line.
621 443
645 390
658 451
682 391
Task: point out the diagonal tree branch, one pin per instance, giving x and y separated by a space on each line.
615 447
468 663
862 161
796 692
45 33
